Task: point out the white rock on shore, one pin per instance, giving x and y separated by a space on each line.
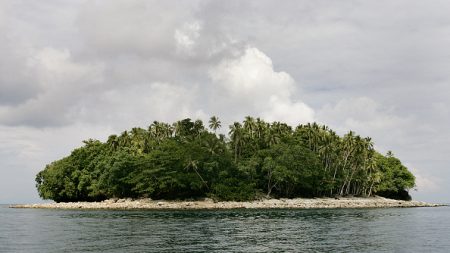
372 202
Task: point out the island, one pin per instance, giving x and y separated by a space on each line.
257 165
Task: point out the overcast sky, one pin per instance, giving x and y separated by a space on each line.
73 70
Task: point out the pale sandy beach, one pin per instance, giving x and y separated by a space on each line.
301 203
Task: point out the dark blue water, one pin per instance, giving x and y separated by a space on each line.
318 230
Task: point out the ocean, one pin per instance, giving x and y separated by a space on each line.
238 230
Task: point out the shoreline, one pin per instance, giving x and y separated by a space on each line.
297 203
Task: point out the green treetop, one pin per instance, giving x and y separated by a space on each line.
258 159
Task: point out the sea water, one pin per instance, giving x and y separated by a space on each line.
239 230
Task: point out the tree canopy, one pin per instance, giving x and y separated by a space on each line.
257 159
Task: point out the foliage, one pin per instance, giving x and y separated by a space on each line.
186 160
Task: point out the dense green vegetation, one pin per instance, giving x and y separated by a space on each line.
258 159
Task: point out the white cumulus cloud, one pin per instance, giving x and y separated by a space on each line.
251 79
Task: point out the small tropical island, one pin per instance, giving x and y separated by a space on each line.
258 165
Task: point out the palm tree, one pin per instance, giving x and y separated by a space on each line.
236 135
193 164
198 128
214 123
154 130
250 126
347 149
124 139
113 141
137 140
357 161
260 127
375 178
177 128
272 137
186 128
167 130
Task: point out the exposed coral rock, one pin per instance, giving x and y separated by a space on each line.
353 202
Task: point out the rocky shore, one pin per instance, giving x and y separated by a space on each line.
372 202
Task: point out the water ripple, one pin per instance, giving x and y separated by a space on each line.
240 230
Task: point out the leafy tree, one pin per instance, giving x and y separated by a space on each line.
395 179
185 160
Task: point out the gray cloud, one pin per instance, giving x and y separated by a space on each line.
78 69
144 29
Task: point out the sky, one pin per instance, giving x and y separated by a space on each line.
73 70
